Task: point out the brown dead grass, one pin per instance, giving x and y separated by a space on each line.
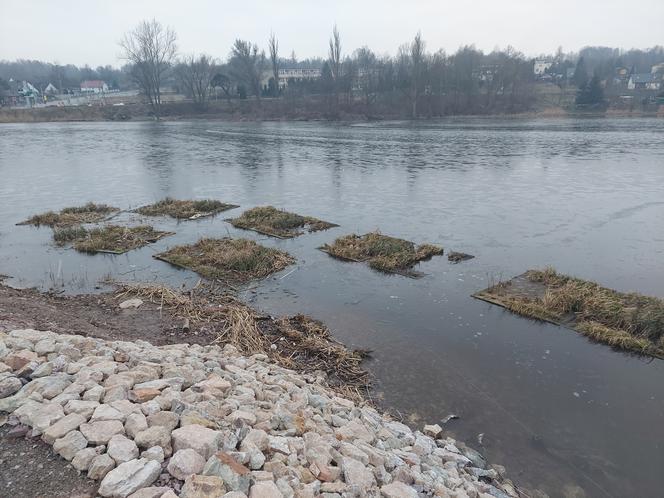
628 321
88 213
298 342
185 210
382 252
112 239
232 260
271 221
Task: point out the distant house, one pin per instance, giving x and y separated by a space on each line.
288 75
541 66
94 86
50 89
657 68
644 81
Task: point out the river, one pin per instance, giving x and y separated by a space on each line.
563 415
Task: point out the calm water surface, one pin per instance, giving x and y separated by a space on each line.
563 415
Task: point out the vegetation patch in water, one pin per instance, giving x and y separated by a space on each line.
275 222
89 213
237 260
185 210
627 321
458 257
112 239
382 252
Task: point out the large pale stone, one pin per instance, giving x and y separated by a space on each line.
185 463
236 476
203 487
129 477
48 387
154 436
357 475
106 412
84 408
204 441
152 492
121 449
68 446
100 466
9 386
83 459
136 422
265 489
102 432
62 427
19 359
398 489
169 420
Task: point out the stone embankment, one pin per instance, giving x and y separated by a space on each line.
203 421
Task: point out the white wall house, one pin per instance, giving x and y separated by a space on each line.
286 75
540 67
94 86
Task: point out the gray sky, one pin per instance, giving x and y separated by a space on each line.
87 31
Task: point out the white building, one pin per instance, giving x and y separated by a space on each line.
94 86
287 75
540 67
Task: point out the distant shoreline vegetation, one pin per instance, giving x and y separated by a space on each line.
254 83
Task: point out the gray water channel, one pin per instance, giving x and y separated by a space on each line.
563 415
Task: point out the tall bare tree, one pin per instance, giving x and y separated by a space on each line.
150 48
335 61
195 74
247 63
273 46
418 62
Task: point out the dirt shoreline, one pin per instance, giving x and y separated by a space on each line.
269 110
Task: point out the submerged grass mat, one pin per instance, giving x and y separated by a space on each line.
382 252
274 222
88 213
626 321
232 260
185 210
112 239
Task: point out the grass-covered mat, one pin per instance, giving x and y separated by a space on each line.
111 239
274 222
185 210
458 257
381 252
231 260
627 321
89 213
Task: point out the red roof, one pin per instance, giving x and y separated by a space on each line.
93 84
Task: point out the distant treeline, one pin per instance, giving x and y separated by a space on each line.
413 82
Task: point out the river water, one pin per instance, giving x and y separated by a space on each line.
563 415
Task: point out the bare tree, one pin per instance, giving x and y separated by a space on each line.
418 62
195 74
150 48
273 45
335 61
247 63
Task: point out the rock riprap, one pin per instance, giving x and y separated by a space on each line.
204 421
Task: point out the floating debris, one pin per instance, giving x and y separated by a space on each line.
185 210
231 260
275 222
89 213
112 239
451 416
382 252
457 257
626 321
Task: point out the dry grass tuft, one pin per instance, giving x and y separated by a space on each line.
89 213
297 342
112 239
185 210
381 252
235 260
271 221
628 321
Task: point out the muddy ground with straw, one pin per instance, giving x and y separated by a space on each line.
88 213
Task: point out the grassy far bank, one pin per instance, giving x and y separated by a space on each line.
230 260
274 222
185 210
381 252
111 239
88 213
627 321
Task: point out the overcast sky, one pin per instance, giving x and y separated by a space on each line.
87 31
